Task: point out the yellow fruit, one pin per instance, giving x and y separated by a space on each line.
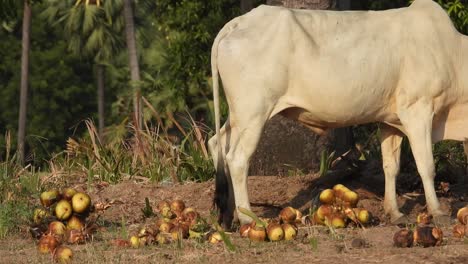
275 232
350 198
290 231
327 196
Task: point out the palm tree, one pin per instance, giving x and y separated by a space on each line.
133 61
25 42
93 29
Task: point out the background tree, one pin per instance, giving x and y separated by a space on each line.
133 61
93 31
24 79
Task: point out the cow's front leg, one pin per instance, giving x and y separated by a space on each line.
417 122
390 139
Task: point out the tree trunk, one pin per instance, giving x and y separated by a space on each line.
24 80
100 95
133 61
246 6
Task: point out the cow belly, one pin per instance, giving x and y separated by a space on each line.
451 124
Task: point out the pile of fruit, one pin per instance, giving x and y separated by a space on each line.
338 208
282 228
61 219
424 235
460 230
174 222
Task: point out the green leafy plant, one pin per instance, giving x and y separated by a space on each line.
325 161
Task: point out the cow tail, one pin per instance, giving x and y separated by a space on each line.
221 196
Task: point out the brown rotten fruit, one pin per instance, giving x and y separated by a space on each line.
459 231
403 238
288 215
462 215
257 233
428 236
74 236
324 211
244 230
177 206
47 244
57 229
424 218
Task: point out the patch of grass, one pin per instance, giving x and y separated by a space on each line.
313 242
13 214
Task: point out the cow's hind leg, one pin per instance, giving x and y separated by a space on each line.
390 139
417 122
243 142
223 198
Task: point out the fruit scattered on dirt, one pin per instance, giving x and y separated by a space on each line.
257 233
275 232
459 231
462 215
81 202
428 236
288 215
63 255
244 230
62 220
47 244
338 209
424 218
63 210
403 238
215 238
290 231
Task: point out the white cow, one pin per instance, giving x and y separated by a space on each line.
406 68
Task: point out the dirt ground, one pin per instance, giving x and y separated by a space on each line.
268 195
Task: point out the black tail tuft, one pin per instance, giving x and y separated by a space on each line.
221 196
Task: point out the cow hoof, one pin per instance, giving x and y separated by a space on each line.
401 220
442 220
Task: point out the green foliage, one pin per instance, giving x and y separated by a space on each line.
179 63
17 185
92 31
458 11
